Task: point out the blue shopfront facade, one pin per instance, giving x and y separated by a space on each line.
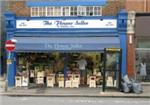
65 34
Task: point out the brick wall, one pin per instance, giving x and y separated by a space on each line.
19 7
148 6
112 7
138 5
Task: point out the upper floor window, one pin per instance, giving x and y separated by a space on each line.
67 11
81 11
35 11
50 11
73 11
89 11
97 11
57 11
42 11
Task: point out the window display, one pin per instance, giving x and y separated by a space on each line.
48 69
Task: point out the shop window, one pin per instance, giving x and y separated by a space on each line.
143 43
142 54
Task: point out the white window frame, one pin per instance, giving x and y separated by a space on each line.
81 11
101 10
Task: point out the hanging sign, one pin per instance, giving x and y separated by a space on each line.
9 61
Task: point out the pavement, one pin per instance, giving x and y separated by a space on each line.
6 100
72 92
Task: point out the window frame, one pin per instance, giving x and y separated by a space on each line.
32 11
58 11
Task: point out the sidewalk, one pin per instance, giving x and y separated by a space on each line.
74 92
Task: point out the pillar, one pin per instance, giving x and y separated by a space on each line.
11 64
121 25
130 44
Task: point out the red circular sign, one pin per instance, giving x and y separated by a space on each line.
9 45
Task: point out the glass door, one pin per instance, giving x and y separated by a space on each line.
112 71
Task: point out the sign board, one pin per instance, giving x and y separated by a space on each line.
63 23
10 46
9 61
112 49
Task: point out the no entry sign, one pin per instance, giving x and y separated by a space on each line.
10 46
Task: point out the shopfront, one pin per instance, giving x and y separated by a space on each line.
48 49
142 37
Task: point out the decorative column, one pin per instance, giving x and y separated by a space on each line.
11 62
131 44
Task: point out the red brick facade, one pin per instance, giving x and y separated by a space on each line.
130 56
19 8
138 5
111 9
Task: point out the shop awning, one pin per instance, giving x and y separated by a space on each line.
27 44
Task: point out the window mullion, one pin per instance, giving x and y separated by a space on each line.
61 11
101 10
93 11
31 14
69 11
38 11
46 11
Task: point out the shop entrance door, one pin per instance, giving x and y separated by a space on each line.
112 68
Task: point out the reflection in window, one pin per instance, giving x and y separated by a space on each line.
42 11
112 60
50 11
35 11
97 11
66 11
57 11
73 11
82 11
89 11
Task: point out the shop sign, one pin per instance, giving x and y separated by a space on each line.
112 49
70 46
89 23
